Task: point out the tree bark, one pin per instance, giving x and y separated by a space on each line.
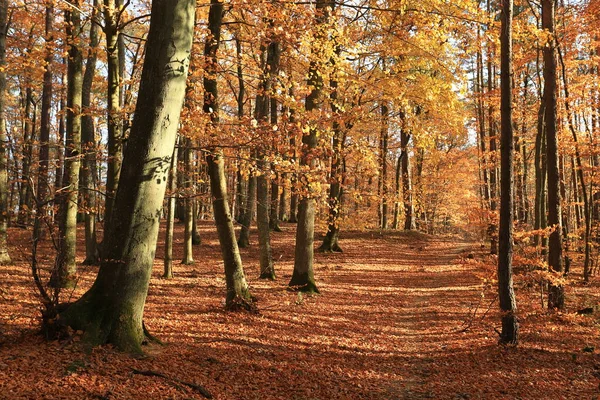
172 187
188 221
4 255
112 309
112 13
508 305
88 172
66 267
246 217
238 293
336 176
383 152
556 297
407 197
303 275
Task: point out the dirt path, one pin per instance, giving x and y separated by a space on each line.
386 326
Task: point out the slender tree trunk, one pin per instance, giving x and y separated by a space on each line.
397 194
114 120
112 309
172 187
60 146
28 137
246 218
263 219
407 197
556 297
88 172
508 305
336 175
238 293
383 152
4 255
493 227
303 275
188 221
66 267
580 176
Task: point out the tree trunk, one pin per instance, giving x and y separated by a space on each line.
396 223
336 179
112 309
303 275
238 293
66 267
172 187
263 218
556 297
4 256
267 270
407 197
383 152
584 193
508 305
88 172
112 14
493 227
188 221
246 217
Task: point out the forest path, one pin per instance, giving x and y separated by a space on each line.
389 324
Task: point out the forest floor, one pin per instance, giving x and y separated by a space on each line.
400 316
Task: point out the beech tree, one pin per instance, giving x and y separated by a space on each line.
556 297
4 255
112 309
510 326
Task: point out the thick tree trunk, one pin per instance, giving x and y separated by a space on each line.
508 305
66 267
88 172
238 293
556 297
4 256
112 310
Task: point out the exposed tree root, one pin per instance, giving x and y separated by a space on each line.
198 388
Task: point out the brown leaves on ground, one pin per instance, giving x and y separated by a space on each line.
401 316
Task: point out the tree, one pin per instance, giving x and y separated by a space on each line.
510 326
88 139
112 19
303 275
172 186
556 297
66 266
238 293
112 309
4 256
